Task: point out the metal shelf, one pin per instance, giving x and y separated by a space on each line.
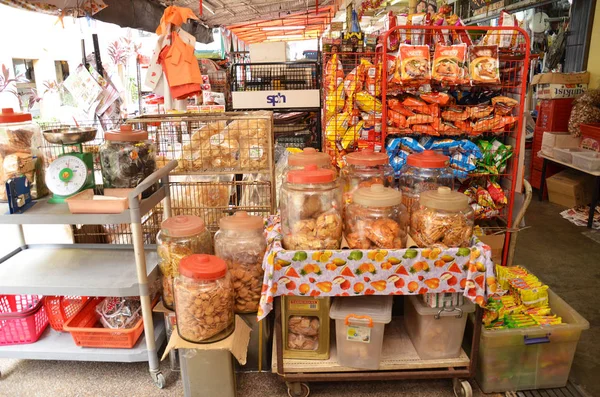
75 269
54 345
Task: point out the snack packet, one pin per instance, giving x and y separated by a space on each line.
334 73
416 37
414 64
441 98
448 63
367 102
484 64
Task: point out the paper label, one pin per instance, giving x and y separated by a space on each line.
357 333
256 152
304 304
217 139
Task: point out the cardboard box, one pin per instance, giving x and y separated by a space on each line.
551 140
560 85
496 243
590 136
570 188
277 51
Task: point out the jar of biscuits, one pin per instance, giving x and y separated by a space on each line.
423 171
241 243
20 152
364 169
311 216
179 236
442 218
376 218
204 299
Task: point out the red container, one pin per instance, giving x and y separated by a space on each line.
590 136
62 308
554 114
22 319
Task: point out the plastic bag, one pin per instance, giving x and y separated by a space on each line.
119 313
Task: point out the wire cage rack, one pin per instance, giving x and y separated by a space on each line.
275 76
297 129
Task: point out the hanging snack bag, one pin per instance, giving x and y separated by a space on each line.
448 62
394 37
484 64
402 20
416 37
508 39
414 64
334 74
355 80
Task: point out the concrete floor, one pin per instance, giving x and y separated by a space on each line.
552 248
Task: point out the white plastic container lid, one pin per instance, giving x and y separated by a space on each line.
424 310
379 308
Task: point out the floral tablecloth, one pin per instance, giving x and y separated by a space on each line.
411 271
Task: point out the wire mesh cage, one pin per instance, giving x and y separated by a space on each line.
275 76
297 129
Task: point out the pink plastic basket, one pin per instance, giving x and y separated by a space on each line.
22 319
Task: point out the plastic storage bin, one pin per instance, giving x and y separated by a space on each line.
588 160
566 154
22 319
61 309
359 327
530 358
435 332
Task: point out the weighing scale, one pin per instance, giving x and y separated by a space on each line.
72 171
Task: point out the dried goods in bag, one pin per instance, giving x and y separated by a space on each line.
484 64
414 64
440 98
334 74
448 63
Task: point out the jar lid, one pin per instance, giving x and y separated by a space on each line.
311 174
126 133
183 226
202 267
367 157
444 199
8 115
309 156
241 221
377 196
428 159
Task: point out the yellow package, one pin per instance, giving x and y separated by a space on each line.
352 134
355 80
334 74
334 102
336 127
367 102
534 297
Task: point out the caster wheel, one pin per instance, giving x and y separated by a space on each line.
462 388
297 389
159 380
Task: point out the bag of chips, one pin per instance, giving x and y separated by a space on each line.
484 64
414 64
448 63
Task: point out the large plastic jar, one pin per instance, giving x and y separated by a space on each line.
203 299
241 243
364 169
311 216
423 171
308 156
442 217
20 152
376 218
179 236
127 157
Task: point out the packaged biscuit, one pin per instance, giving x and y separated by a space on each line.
448 62
484 64
414 64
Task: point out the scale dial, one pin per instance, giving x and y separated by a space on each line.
66 175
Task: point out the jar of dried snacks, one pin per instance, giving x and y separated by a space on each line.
443 217
179 236
311 216
241 243
203 299
364 169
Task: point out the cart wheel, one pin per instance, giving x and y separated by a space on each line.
297 389
462 388
159 379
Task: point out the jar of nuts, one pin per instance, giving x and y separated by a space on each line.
241 243
203 299
376 218
423 171
310 206
443 218
364 169
179 236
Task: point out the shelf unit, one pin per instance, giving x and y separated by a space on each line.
89 270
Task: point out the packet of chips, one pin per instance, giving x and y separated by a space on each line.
484 64
414 64
334 73
334 102
367 102
336 128
448 63
398 150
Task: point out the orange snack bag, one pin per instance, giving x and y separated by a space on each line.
414 64
484 64
448 63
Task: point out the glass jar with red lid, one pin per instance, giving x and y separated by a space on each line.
204 299
424 171
311 216
363 169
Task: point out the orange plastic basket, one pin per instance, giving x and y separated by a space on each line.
86 330
62 308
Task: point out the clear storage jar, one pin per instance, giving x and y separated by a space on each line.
423 171
203 299
442 217
364 169
127 157
376 218
20 152
308 156
179 236
311 200
241 243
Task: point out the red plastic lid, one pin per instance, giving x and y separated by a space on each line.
8 115
183 226
367 157
311 174
309 156
126 134
241 221
428 159
202 267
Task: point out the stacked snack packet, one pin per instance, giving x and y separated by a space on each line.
525 303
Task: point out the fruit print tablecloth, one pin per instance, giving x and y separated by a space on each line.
347 272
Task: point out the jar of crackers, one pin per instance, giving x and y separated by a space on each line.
364 169
204 299
376 218
442 218
179 236
311 216
241 243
